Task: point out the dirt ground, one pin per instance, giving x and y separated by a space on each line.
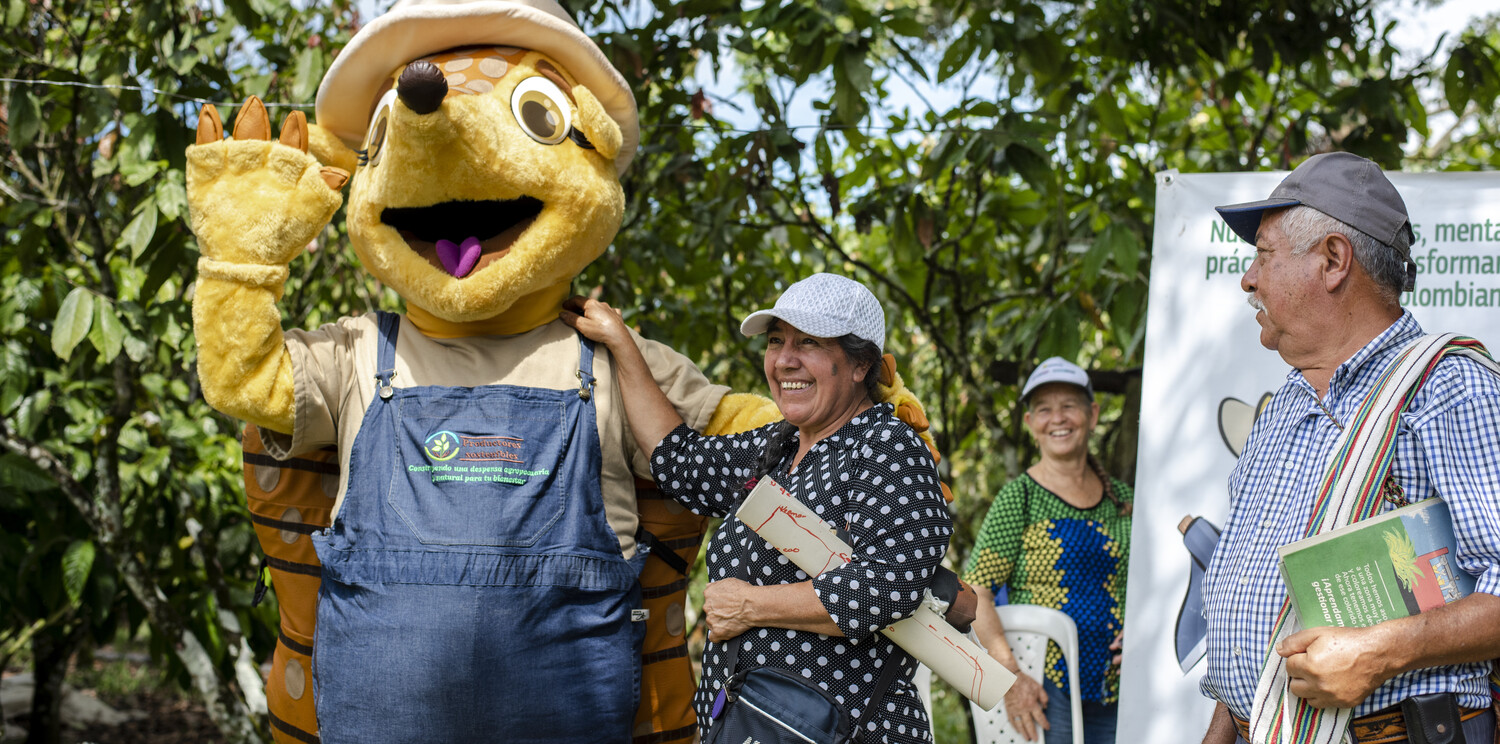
168 720
162 714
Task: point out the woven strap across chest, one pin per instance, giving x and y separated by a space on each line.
1350 491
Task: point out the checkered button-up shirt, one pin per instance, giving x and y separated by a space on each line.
1447 444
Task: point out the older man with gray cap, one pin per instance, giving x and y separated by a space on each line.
1332 259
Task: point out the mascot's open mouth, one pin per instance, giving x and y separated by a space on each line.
455 236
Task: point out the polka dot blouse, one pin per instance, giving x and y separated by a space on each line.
873 477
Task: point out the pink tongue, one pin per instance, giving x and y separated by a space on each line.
459 260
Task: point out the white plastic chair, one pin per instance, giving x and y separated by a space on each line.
1027 629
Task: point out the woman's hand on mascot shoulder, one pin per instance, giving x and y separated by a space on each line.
598 321
254 200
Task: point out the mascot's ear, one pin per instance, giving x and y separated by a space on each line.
595 124
330 150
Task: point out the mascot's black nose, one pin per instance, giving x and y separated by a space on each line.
422 87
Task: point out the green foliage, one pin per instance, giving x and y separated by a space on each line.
1009 219
121 489
1003 221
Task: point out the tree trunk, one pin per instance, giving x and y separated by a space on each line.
1120 458
51 650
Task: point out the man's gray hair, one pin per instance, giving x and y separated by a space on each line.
1305 226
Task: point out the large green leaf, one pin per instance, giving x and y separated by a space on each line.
1457 89
1123 246
20 474
107 333
309 73
77 562
137 235
73 321
25 116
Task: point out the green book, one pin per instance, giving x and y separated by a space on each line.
1391 565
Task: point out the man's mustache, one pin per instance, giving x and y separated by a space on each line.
1255 302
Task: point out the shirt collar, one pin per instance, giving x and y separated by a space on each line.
1370 357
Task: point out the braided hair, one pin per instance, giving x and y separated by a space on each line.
1109 485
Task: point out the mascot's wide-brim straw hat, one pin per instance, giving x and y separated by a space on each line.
413 29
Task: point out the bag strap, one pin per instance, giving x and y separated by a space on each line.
1350 492
883 686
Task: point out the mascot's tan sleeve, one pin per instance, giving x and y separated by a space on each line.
325 364
694 397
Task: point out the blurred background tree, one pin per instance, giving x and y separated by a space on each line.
986 167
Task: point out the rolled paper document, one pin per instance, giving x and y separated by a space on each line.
810 543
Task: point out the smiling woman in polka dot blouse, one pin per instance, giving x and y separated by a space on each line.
850 460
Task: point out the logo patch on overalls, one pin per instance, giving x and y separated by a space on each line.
476 459
442 446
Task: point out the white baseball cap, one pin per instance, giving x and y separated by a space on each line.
1057 369
827 306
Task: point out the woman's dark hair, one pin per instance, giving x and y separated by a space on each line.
866 354
860 353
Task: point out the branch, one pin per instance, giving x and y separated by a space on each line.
1265 123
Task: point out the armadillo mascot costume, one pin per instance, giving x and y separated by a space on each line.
479 580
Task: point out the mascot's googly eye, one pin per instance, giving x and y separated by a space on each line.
375 140
542 110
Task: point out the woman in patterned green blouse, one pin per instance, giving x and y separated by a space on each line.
1059 537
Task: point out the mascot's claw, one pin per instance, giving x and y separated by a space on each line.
252 123
294 131
210 126
334 177
254 200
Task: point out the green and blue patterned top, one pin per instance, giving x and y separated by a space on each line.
1035 548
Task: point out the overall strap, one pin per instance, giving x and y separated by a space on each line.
1351 491
585 367
385 354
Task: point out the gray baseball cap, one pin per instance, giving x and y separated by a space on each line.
1343 186
827 306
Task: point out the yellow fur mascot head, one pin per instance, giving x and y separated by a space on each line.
499 177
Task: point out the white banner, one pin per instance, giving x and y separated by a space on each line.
1206 373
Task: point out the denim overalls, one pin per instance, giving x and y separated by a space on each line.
472 589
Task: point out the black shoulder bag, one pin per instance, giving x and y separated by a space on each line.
777 706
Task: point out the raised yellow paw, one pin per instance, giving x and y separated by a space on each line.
254 201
